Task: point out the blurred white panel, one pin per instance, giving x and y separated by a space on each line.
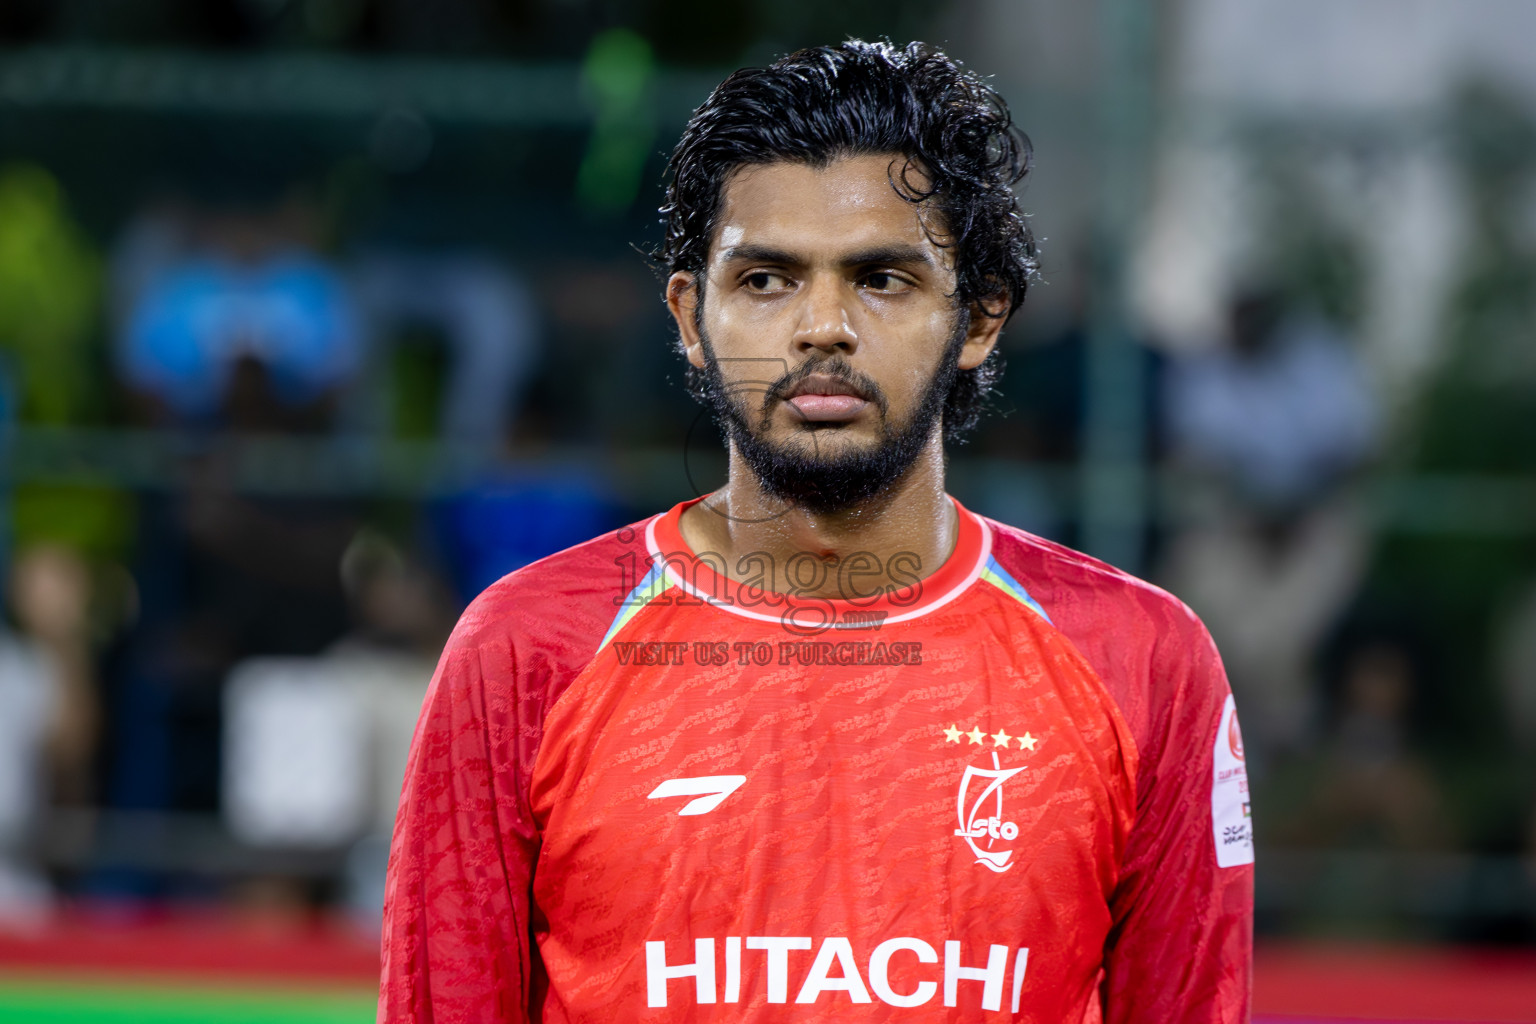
390 686
295 754
1194 245
1350 55
1415 233
28 702
1330 53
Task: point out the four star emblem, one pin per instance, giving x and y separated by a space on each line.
999 738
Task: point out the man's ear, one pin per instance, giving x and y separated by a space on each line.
682 303
987 318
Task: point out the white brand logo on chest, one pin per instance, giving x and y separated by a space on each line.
711 791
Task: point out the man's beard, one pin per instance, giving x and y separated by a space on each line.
798 473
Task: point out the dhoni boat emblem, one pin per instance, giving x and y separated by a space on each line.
981 817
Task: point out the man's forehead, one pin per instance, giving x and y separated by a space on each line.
849 203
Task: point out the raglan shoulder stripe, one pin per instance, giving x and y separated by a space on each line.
994 573
651 586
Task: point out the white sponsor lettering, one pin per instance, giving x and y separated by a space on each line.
778 947
1019 963
817 981
657 973
733 968
1231 811
838 951
880 966
991 976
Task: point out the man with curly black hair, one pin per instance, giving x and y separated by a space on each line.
824 743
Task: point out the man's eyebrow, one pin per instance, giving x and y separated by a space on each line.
889 255
751 253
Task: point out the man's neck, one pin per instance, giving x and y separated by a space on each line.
914 518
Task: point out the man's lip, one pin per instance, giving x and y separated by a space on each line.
818 408
818 384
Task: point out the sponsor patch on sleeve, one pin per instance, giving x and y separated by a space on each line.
1231 811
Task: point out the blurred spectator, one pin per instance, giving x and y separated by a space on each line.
532 508
1467 589
295 757
48 714
482 313
1530 845
51 593
1276 418
1371 789
505 523
1516 668
1515 654
1042 401
1279 413
205 292
228 319
398 607
316 747
402 614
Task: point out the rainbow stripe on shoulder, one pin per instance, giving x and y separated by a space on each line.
651 586
995 574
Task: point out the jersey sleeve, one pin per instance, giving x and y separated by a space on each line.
1180 951
457 940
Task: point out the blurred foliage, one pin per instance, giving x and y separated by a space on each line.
50 292
415 382
1476 416
1480 412
1309 255
50 313
97 521
616 78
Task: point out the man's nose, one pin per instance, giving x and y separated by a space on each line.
824 320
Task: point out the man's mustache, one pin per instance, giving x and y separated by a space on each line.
835 367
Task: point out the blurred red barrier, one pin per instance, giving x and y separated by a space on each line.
1293 983
210 946
1304 982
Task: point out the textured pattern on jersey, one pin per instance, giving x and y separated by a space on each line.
535 877
845 825
1182 946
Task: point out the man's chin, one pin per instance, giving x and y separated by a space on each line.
823 447
818 476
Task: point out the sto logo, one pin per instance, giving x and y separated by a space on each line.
975 821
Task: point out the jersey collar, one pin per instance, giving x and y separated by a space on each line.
699 578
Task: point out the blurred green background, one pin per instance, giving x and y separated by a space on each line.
316 316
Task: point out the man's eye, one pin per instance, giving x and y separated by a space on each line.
888 283
763 281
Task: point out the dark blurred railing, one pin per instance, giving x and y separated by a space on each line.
157 841
1343 889
647 478
297 84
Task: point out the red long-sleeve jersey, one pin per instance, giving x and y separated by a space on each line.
1011 789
